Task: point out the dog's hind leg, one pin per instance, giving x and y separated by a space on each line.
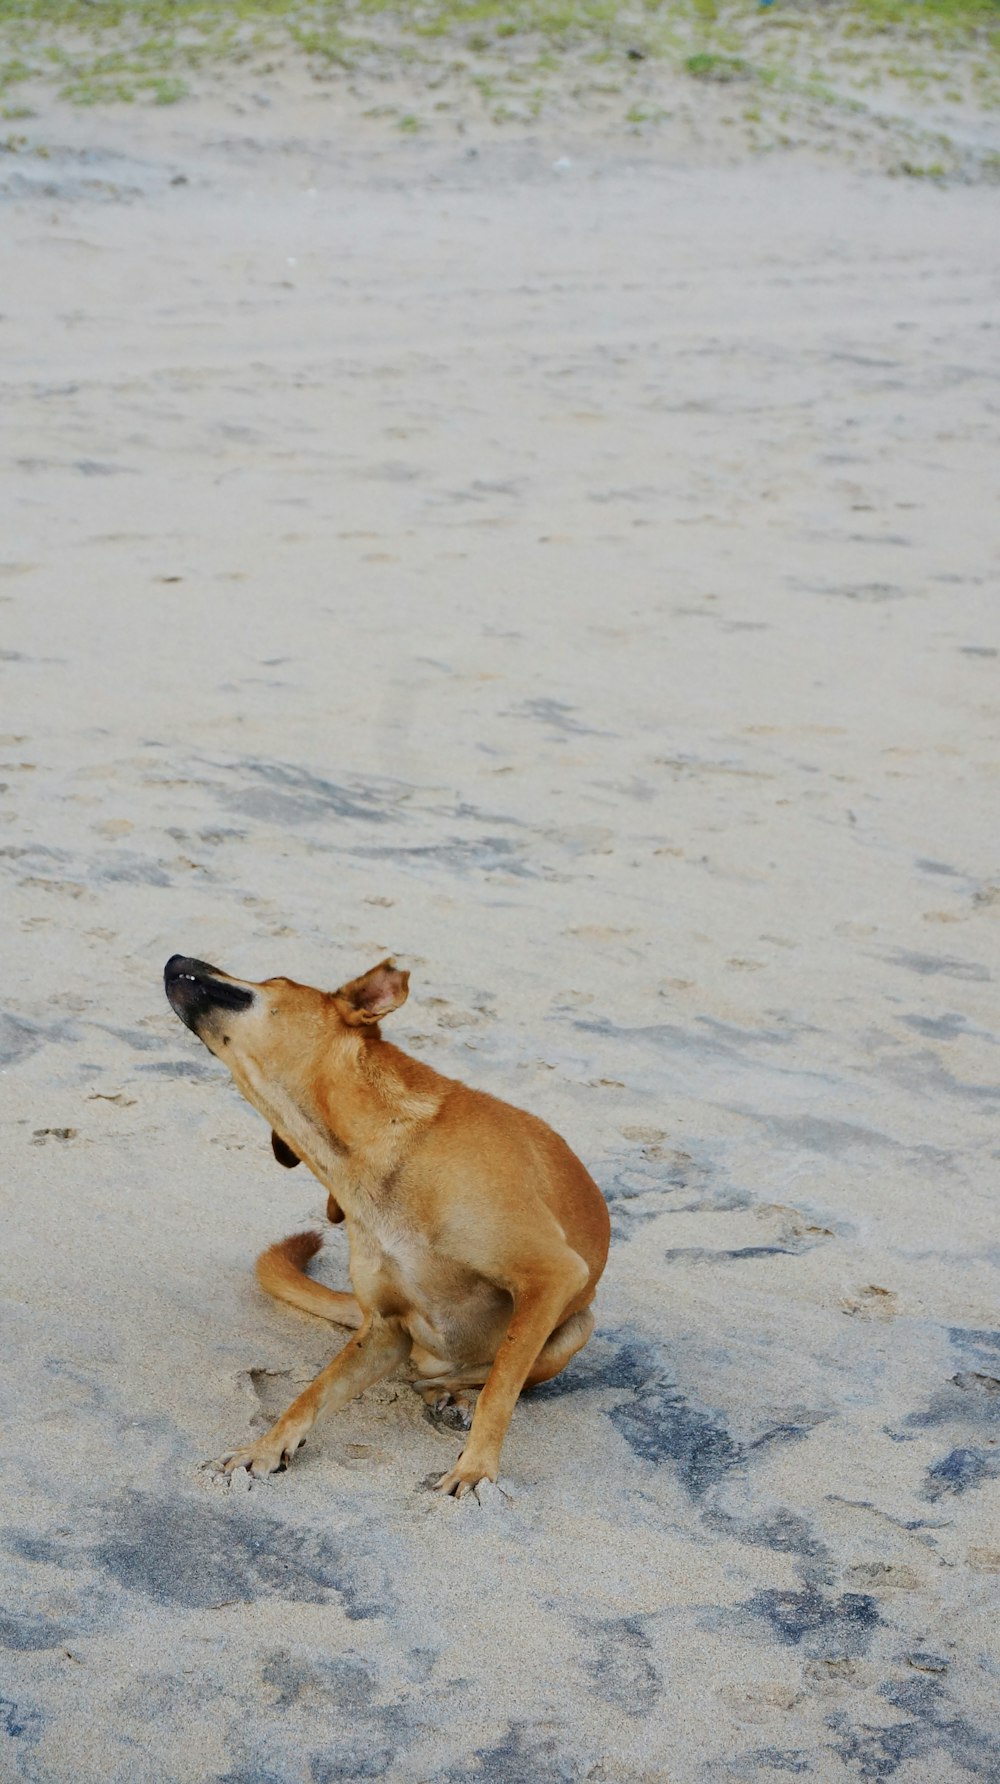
373 1353
448 1395
564 1343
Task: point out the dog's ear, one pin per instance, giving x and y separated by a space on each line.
284 1154
374 995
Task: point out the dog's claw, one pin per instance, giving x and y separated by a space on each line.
457 1407
450 1411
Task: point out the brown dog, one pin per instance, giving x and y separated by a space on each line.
477 1238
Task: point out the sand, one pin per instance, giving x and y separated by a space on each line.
566 562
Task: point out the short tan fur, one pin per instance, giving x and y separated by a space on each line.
476 1236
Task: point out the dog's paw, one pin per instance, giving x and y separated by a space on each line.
450 1412
258 1460
467 1477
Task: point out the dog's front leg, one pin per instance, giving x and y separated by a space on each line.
374 1351
538 1308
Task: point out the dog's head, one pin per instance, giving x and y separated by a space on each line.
282 1041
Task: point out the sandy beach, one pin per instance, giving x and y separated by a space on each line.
567 561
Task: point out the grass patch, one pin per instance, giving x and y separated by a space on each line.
127 51
708 67
924 170
328 43
956 15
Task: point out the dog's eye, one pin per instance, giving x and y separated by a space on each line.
225 1040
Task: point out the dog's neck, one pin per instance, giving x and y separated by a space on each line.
370 1097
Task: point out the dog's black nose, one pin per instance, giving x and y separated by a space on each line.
181 966
194 988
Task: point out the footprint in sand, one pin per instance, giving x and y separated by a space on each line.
871 1302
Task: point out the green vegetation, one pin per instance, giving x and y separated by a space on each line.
931 170
708 67
954 15
513 56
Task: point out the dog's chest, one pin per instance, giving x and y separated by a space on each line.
391 1263
389 1243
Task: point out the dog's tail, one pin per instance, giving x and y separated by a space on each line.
281 1272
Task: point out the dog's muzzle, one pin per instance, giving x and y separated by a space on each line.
194 988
